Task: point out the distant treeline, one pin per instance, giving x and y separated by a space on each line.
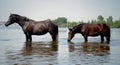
62 22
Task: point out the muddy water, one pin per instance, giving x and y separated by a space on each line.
42 51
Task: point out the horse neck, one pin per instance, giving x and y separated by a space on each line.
21 23
77 29
23 20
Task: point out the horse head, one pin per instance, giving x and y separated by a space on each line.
15 18
12 19
70 34
74 30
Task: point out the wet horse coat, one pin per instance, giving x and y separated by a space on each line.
90 30
31 27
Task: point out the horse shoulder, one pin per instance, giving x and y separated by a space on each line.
84 29
27 27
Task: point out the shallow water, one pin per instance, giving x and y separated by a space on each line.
42 51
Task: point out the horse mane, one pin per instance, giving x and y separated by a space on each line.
27 19
79 25
22 17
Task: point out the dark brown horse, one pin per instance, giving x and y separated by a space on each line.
90 30
31 27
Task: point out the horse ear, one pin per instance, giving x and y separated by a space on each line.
70 29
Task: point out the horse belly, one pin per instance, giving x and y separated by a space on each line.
94 34
40 29
39 33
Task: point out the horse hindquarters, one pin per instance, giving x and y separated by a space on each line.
106 32
53 30
55 34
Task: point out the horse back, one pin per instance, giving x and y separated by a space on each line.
95 29
87 28
48 26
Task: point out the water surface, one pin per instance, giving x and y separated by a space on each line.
42 51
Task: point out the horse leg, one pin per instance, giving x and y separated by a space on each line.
85 37
54 37
108 38
28 37
102 38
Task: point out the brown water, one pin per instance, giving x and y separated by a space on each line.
42 51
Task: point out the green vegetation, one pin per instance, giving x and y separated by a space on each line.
62 22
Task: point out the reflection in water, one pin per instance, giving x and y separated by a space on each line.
95 48
27 49
48 53
40 48
90 53
40 52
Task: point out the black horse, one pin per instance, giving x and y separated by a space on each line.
90 30
31 27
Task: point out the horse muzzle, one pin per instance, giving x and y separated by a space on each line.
68 40
6 25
